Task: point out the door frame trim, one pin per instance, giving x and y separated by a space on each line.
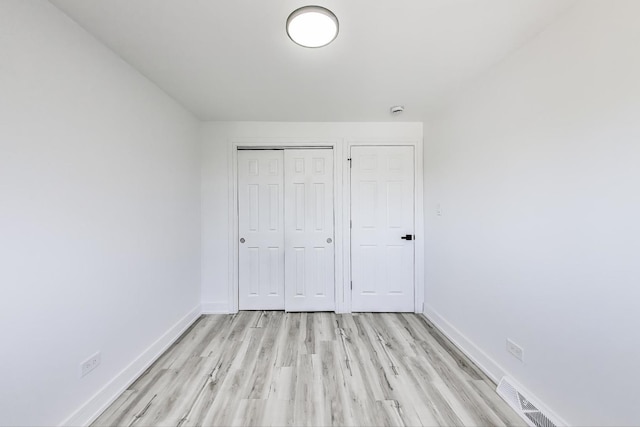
342 210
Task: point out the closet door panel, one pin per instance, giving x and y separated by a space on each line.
309 230
261 230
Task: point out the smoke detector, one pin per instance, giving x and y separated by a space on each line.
397 109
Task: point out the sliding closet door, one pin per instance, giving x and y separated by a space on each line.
309 251
261 230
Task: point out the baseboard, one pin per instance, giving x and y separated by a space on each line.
489 366
472 351
90 410
215 307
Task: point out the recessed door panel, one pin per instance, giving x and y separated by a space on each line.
382 212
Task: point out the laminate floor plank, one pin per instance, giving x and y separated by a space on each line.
292 340
497 405
283 384
113 414
431 397
262 368
278 413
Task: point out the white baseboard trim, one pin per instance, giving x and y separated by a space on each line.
479 357
472 351
91 409
215 307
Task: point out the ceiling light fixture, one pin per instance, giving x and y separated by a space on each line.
312 26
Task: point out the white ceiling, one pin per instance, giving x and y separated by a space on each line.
232 60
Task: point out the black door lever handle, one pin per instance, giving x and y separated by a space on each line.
407 237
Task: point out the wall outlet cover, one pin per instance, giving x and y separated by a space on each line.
515 350
90 364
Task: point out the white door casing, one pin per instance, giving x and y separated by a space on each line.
342 210
382 212
261 230
309 230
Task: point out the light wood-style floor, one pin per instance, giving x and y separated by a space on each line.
320 369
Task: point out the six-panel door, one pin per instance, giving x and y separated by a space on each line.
309 260
382 213
261 230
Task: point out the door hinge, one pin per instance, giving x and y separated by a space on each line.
351 285
350 224
350 163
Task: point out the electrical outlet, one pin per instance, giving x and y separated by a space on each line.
515 350
90 364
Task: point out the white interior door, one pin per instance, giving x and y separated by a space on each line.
382 213
309 247
261 230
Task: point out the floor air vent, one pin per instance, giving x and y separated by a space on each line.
513 395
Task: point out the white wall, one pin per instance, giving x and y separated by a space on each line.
537 169
99 214
217 139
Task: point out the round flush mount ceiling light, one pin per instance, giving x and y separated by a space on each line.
312 26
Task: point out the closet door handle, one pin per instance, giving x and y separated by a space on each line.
242 240
329 240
